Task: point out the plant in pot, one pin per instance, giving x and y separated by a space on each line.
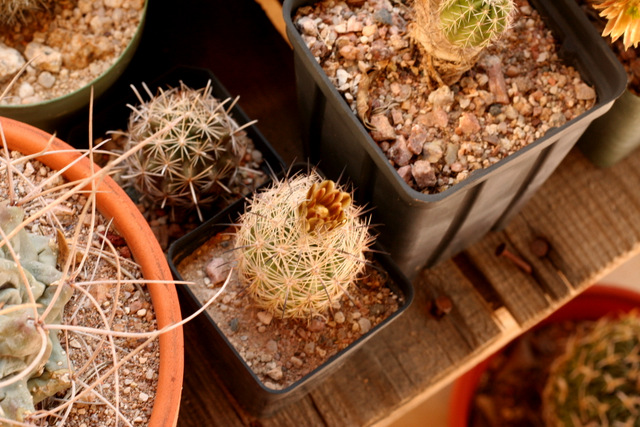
69 47
612 137
446 143
208 155
304 293
89 313
578 367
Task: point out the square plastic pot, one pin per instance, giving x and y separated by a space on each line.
235 374
422 229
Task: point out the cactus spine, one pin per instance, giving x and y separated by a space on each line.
12 11
300 244
20 340
596 380
191 163
452 33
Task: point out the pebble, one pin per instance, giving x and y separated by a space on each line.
265 317
10 62
46 79
364 324
217 270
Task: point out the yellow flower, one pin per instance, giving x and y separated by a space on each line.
623 20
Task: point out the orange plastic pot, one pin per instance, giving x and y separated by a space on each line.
592 304
113 202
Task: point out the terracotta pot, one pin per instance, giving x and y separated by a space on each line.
113 202
595 302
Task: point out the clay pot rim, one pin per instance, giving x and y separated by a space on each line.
597 301
114 203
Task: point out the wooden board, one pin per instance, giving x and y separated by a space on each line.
590 217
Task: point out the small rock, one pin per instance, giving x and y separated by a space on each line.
217 270
382 129
442 97
497 85
417 138
143 397
468 124
271 347
436 118
399 152
365 325
424 174
339 317
10 62
316 325
265 317
25 90
405 173
296 361
585 92
43 57
275 374
307 26
46 79
432 151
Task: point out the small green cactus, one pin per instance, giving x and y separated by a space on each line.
12 11
474 23
597 379
199 146
300 245
20 340
452 33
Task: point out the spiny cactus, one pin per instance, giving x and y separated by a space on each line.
12 11
474 22
300 244
596 381
192 162
20 340
452 33
623 19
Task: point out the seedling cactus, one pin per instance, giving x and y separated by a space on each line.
595 381
191 163
300 245
452 33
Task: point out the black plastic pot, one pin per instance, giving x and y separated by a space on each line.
236 375
423 229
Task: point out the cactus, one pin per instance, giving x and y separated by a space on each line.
299 246
191 163
623 19
452 33
474 23
20 339
595 381
12 11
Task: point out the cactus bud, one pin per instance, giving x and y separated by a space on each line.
324 207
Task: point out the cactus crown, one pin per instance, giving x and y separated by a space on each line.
192 161
300 245
595 382
474 23
20 341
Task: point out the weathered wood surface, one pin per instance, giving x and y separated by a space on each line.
590 217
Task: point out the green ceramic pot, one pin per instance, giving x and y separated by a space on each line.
51 115
613 136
